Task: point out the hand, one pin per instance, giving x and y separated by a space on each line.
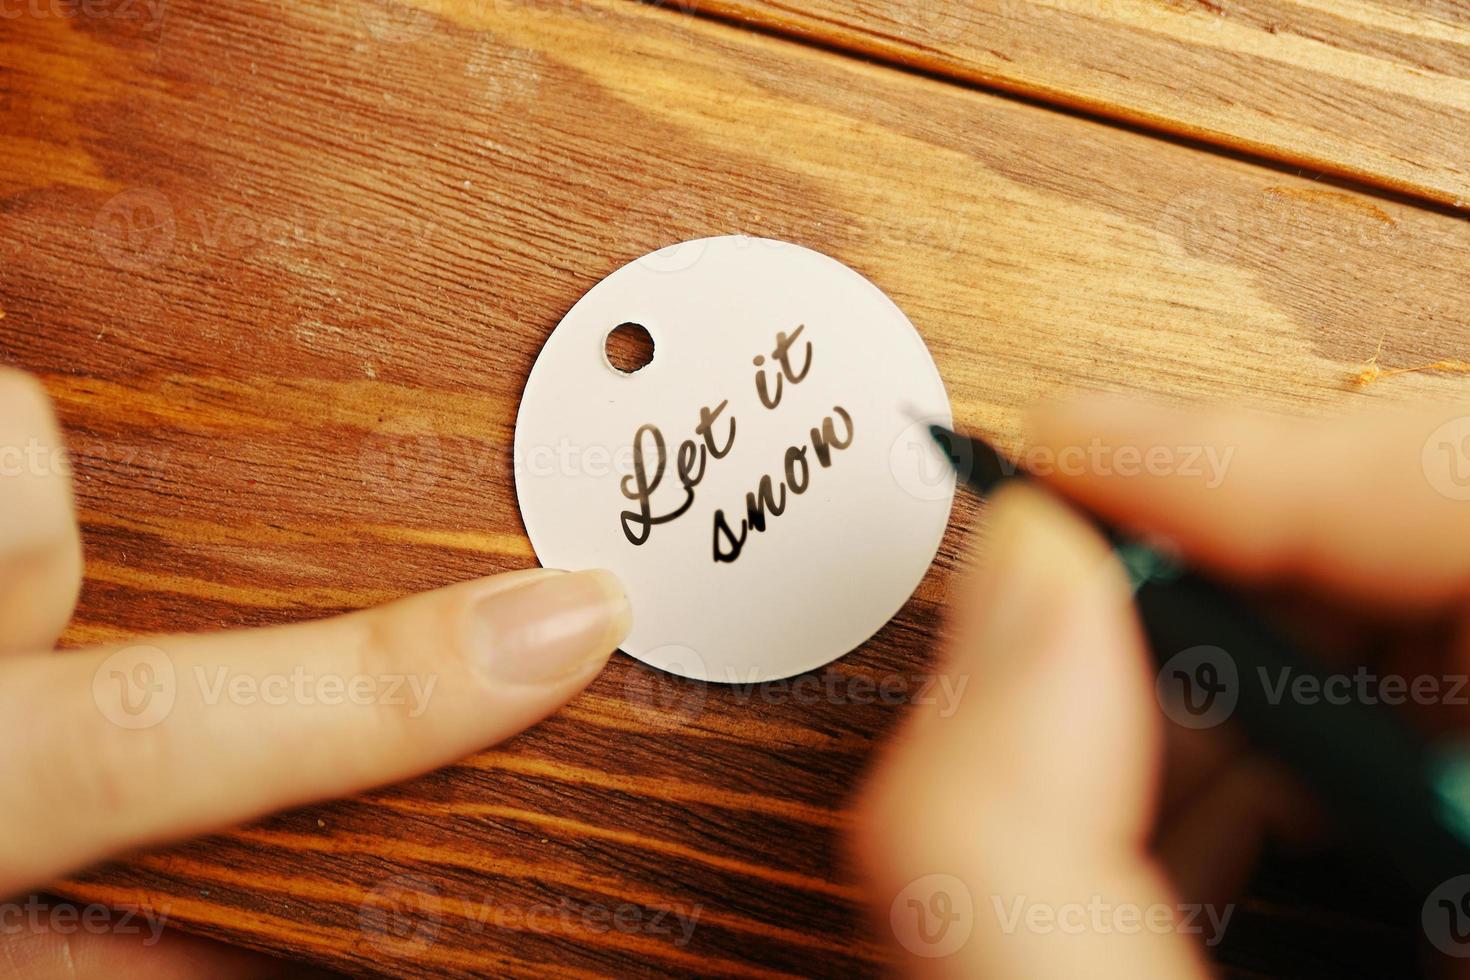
159 738
1071 829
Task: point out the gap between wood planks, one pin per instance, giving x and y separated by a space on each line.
1329 172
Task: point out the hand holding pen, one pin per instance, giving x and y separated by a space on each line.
1058 812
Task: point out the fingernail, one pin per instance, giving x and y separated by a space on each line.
551 628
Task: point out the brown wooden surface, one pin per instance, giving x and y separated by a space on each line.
1375 90
285 267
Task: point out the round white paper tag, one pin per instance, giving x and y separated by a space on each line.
766 488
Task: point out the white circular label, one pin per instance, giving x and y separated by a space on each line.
766 488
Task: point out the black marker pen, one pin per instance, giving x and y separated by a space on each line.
1408 800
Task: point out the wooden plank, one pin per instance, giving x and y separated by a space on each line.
285 266
1373 90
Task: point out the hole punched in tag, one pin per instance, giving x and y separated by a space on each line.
629 348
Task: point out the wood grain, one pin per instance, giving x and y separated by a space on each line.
284 268
1373 90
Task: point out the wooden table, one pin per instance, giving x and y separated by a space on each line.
285 266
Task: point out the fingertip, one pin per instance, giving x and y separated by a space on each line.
1058 714
549 629
1035 557
40 543
1031 524
1366 503
615 596
22 387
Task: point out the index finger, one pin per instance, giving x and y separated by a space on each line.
111 749
40 545
1375 507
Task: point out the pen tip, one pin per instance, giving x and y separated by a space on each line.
948 443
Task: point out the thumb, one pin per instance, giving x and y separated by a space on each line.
1010 837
